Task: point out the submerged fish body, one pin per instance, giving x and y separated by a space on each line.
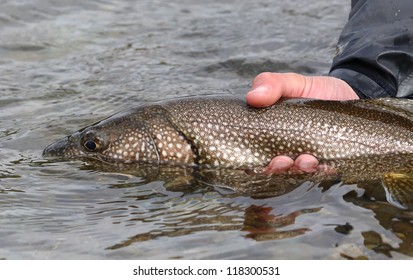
363 138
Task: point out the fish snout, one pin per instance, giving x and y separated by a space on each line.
62 148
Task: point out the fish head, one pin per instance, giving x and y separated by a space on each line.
122 137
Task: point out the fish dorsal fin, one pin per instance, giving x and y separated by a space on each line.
399 189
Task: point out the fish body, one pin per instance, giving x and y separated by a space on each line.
226 132
361 139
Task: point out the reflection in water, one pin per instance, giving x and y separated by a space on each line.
184 222
201 214
258 222
263 225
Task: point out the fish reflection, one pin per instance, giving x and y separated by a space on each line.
254 221
259 222
264 225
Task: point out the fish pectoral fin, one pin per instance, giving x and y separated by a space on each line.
399 189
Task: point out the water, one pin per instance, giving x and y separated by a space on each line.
65 64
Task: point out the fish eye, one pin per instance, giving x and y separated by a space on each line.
90 145
91 142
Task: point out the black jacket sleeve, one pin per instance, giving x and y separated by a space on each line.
375 49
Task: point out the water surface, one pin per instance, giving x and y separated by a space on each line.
66 64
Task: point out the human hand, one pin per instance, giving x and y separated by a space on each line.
267 88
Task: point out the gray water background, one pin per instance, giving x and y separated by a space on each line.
66 64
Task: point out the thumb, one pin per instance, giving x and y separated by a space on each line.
267 88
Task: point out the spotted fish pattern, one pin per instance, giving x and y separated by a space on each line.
226 132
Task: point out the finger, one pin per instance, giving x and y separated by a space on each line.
306 163
279 164
267 88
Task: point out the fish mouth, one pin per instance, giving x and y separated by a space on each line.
63 148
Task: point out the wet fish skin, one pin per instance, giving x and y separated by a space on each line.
225 132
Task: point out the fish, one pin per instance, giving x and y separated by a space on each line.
358 139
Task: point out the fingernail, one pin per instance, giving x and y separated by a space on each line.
260 90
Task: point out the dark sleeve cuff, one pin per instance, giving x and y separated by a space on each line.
366 83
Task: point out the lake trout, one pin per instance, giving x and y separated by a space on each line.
361 139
